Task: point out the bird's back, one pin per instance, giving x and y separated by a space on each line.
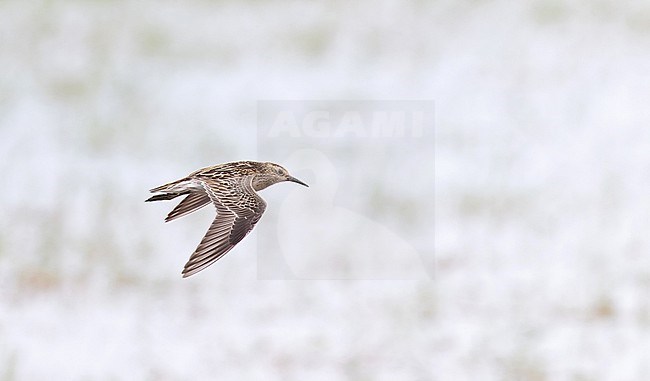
228 170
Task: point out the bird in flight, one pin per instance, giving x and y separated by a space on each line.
232 188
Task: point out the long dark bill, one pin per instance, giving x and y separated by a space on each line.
295 180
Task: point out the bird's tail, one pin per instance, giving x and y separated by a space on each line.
169 191
163 196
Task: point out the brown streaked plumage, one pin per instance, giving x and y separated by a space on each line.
232 188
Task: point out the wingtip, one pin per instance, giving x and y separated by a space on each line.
188 273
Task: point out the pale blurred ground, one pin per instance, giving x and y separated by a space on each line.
541 190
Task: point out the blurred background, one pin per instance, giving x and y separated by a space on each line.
539 269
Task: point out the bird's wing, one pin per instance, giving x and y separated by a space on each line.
193 201
239 208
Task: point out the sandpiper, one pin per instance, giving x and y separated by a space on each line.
232 188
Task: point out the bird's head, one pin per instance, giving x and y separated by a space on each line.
271 173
